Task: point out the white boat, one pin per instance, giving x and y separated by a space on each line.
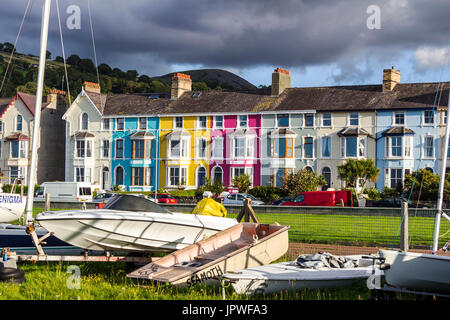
421 273
129 223
289 276
12 206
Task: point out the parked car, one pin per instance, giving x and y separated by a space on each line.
282 200
102 197
166 198
393 202
238 198
322 198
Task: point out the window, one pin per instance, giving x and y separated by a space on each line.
79 174
14 173
120 124
308 147
396 177
428 150
119 148
309 119
142 123
119 175
445 117
141 176
283 148
398 146
201 176
283 120
354 119
178 122
242 121
178 148
218 174
353 147
88 177
1 126
84 121
19 123
106 124
83 148
326 147
177 176
202 122
239 171
243 147
201 148
326 120
105 149
217 148
142 148
399 118
218 121
428 117
18 149
326 173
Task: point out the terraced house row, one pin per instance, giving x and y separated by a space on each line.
177 140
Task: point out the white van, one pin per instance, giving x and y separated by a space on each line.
64 191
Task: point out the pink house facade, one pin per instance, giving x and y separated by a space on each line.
235 148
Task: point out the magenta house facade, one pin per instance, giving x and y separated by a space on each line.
235 147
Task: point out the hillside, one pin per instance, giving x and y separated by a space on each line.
22 74
213 78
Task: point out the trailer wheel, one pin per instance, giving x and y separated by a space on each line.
12 275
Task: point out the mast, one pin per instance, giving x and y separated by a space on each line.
37 111
442 181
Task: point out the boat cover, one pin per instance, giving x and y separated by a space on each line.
210 207
128 202
324 260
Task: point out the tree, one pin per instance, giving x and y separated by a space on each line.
105 69
73 60
48 55
362 170
242 182
131 75
86 65
59 59
425 186
302 181
8 47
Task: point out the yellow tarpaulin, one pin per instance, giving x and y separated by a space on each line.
210 207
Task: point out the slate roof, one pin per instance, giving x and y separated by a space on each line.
83 134
351 132
16 136
397 131
333 98
142 135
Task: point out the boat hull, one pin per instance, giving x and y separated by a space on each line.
287 276
12 206
417 271
123 231
207 260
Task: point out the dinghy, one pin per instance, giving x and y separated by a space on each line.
12 206
296 275
243 245
129 223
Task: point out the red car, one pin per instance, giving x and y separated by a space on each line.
321 198
166 198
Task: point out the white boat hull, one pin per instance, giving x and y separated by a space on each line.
127 231
12 206
417 271
287 276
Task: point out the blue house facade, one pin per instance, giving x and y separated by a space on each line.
135 152
407 140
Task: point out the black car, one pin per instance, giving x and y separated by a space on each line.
393 202
285 199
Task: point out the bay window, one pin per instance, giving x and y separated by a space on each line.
178 148
353 147
83 148
141 148
282 147
243 147
18 149
398 146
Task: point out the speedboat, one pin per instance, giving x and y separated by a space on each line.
128 223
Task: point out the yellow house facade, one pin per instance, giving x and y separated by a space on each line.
184 151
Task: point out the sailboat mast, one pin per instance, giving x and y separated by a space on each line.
37 111
442 181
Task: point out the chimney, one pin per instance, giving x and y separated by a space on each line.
55 97
280 81
390 79
91 87
180 84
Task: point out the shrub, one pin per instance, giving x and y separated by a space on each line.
268 194
302 181
372 193
242 182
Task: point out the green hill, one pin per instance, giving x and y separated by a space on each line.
23 70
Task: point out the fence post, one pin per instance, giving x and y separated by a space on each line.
404 230
47 202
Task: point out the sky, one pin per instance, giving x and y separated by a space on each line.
321 43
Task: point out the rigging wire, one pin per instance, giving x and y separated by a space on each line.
63 53
27 10
95 51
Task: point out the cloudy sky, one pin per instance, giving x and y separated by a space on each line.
321 42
